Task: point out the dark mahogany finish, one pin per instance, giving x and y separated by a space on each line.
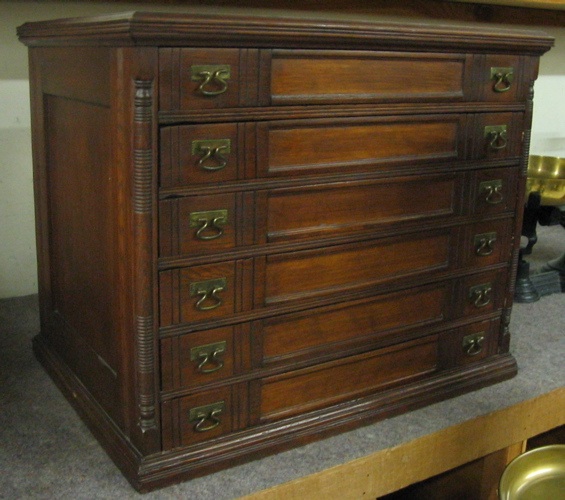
256 232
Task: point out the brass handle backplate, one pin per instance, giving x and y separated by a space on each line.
210 224
212 77
473 344
212 153
484 243
208 413
492 191
208 357
496 136
208 292
480 295
503 78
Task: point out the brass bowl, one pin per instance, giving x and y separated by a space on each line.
546 174
538 474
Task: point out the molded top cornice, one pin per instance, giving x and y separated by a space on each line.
144 28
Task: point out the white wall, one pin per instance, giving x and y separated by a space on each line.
18 273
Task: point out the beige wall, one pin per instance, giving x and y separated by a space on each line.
17 239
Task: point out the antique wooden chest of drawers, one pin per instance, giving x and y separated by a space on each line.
255 232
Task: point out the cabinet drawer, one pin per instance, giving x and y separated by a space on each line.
481 293
333 329
198 224
344 268
199 417
195 225
198 293
316 146
197 358
289 394
488 243
498 135
502 78
494 190
468 344
199 154
200 78
309 77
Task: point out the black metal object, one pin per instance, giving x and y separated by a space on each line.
529 289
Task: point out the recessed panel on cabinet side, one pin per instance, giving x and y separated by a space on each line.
81 238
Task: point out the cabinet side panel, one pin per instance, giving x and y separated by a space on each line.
78 179
80 242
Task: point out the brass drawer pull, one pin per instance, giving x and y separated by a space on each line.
503 78
480 295
210 224
212 153
484 243
208 292
496 136
208 357
473 344
493 190
212 78
201 414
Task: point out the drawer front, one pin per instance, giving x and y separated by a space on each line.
353 206
199 154
488 243
469 344
333 329
197 224
498 136
481 293
309 77
502 79
284 395
338 270
199 417
317 146
494 190
197 358
200 78
198 293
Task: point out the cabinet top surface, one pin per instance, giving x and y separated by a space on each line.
150 29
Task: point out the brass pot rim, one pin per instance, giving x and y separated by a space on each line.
540 464
546 167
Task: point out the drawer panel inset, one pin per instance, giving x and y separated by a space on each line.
291 148
197 293
306 77
502 78
481 293
494 190
197 358
336 208
199 78
305 335
316 387
199 154
468 344
498 135
198 418
488 242
343 268
197 224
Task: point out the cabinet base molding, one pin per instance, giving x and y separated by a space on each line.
156 471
